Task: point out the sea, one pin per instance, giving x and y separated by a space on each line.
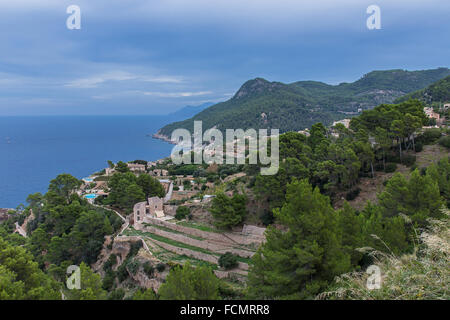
35 149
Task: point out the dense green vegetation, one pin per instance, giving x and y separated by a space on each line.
66 230
313 243
126 189
189 283
317 243
228 211
336 164
438 92
228 261
263 104
422 275
309 240
21 278
182 212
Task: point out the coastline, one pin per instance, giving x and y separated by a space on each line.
57 145
162 137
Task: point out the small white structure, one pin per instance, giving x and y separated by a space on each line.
305 132
345 122
136 167
208 197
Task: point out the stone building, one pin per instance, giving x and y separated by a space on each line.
153 208
109 171
431 114
136 167
159 173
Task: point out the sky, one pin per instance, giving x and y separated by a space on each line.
156 56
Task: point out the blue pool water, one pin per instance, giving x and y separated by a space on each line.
90 196
34 150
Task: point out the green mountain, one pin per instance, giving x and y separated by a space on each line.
263 104
436 93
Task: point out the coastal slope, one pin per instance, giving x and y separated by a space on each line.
260 103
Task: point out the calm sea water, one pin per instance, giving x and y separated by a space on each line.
34 150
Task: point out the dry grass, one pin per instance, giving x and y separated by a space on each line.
431 154
423 275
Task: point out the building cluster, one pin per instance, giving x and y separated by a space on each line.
142 168
431 113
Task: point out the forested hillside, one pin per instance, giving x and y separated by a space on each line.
309 241
292 107
438 92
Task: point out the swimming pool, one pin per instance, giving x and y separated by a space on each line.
90 196
88 179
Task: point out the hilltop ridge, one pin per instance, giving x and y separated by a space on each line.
260 103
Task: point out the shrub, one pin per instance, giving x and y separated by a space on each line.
419 146
21 219
160 267
108 280
182 212
390 167
122 272
445 141
228 212
393 157
267 217
408 160
112 260
423 171
352 194
378 166
148 268
228 261
117 294
431 135
134 248
133 266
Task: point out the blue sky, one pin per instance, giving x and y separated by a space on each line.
155 56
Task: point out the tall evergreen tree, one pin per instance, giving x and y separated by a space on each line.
300 259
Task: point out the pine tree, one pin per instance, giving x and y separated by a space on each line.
418 198
300 260
228 212
189 283
350 226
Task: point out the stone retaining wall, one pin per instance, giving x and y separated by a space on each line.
195 254
190 253
221 237
204 244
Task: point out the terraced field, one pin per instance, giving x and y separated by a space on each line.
200 245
